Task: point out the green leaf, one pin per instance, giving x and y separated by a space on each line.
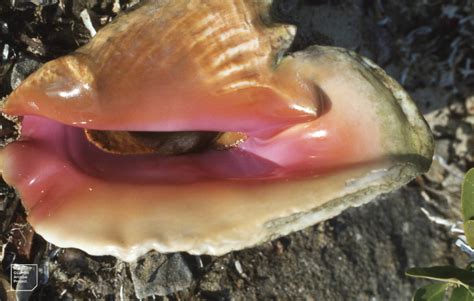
444 273
431 292
461 294
467 196
469 232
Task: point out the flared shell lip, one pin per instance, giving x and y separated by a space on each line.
293 219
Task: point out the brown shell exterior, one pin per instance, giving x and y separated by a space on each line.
242 44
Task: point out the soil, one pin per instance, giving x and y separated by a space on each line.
362 254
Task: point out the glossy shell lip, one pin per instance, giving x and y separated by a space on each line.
293 169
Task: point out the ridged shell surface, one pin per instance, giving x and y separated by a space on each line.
170 62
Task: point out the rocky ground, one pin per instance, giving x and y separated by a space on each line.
428 46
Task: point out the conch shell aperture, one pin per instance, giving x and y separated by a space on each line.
307 134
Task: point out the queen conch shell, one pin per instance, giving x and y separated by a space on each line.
323 130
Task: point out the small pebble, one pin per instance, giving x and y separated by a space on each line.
464 133
23 3
470 105
23 68
457 108
158 274
238 267
86 19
